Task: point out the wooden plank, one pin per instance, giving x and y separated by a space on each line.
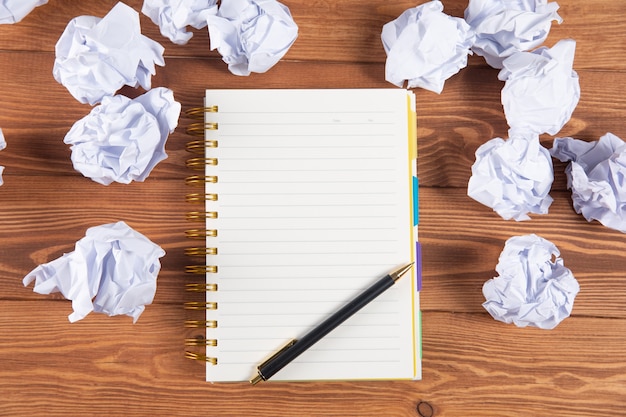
47 215
346 31
463 239
485 368
468 113
451 126
105 365
458 256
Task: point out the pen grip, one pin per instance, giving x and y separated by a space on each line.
268 369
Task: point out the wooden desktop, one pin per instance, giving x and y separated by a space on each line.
472 364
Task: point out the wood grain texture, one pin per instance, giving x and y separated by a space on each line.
473 365
345 31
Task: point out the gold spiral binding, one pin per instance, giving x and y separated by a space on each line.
198 129
201 269
198 112
200 342
200 180
196 287
200 233
200 216
200 148
210 324
200 197
201 305
202 251
200 357
198 164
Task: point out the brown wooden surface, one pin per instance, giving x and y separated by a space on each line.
473 365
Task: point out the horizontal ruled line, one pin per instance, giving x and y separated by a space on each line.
295 314
312 193
273 252
306 182
306 241
333 147
304 217
367 337
302 265
308 145
308 205
315 171
313 277
306 112
315 123
310 228
310 158
365 363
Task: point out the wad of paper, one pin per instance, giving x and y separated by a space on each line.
96 57
513 176
504 27
596 175
425 47
121 139
173 16
251 35
533 287
541 89
13 11
113 270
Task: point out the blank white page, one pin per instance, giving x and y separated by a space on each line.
314 205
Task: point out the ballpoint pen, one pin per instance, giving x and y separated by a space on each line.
297 346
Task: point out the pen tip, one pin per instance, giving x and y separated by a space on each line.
398 274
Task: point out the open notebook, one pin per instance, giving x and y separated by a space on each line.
310 198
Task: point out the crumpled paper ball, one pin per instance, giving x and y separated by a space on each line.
597 177
96 57
13 11
173 16
251 35
3 144
122 139
533 287
113 270
504 27
513 176
541 89
425 47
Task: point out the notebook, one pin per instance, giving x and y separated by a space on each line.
310 196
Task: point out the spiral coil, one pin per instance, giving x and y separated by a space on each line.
198 162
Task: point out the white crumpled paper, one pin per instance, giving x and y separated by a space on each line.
541 89
513 176
113 270
597 177
96 57
173 16
251 35
504 27
3 144
533 287
425 47
13 11
122 139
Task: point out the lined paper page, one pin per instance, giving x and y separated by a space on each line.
314 206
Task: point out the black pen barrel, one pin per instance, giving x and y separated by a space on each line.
308 340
